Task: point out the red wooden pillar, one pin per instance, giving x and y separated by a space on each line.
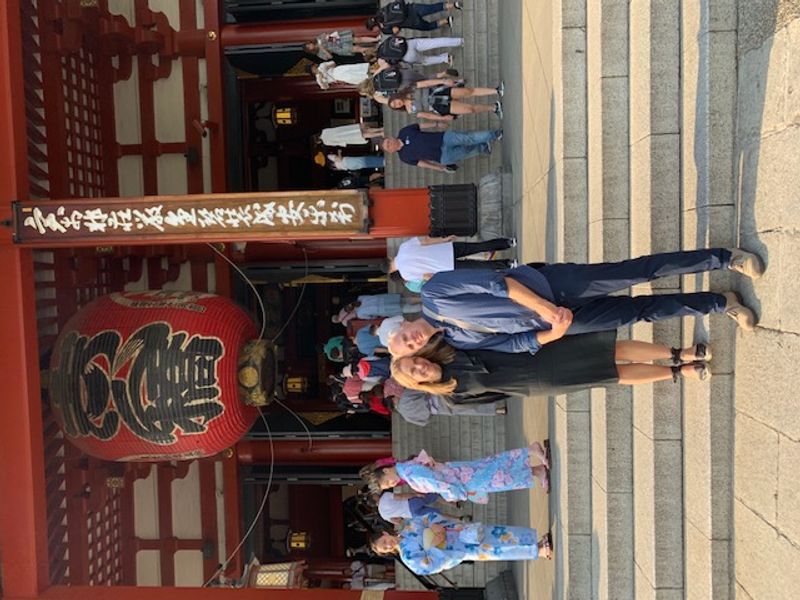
321 452
287 32
316 250
399 213
187 593
290 88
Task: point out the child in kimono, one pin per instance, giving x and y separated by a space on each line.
465 480
434 543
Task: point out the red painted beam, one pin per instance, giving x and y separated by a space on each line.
208 514
351 452
23 511
13 137
187 593
165 476
147 112
287 32
233 527
190 66
216 97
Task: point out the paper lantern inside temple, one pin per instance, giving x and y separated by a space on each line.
151 376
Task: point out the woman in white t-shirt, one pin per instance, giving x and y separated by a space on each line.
419 259
396 507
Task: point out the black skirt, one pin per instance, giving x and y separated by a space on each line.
573 363
439 99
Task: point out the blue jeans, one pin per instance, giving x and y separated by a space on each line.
584 289
416 12
461 145
422 506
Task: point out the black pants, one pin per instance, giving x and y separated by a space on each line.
417 11
584 288
462 249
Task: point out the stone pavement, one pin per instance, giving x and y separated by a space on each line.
637 126
766 505
526 52
637 139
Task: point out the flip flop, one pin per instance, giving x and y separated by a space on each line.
543 457
548 453
546 481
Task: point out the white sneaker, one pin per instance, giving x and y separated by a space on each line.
748 264
744 317
498 109
513 264
512 242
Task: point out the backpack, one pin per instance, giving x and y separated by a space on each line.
393 49
388 81
394 13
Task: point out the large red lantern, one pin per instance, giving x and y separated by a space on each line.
150 376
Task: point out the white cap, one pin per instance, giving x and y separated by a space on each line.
388 328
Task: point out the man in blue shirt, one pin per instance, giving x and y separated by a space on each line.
439 151
524 308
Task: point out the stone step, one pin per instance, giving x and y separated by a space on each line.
708 214
608 182
572 452
478 62
655 170
456 438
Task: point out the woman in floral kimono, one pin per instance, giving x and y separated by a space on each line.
434 543
470 480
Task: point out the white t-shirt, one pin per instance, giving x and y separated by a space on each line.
414 260
390 507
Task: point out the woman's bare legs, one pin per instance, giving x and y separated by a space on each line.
639 373
541 471
466 92
462 108
639 352
367 39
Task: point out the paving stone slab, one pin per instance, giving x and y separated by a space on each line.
756 467
658 506
766 562
788 520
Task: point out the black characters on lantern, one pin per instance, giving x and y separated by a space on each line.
156 382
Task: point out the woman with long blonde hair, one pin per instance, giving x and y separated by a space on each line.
572 363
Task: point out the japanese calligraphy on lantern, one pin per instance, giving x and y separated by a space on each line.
202 217
155 383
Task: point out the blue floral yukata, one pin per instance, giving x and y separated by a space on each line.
422 554
471 480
